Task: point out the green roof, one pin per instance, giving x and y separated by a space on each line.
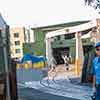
59 26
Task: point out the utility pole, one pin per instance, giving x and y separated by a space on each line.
79 54
4 43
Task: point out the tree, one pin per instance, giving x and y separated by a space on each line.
94 3
89 1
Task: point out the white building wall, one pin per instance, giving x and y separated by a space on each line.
29 36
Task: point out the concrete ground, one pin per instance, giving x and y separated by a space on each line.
61 70
33 94
57 86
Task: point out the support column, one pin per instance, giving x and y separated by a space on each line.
98 31
95 34
79 54
48 49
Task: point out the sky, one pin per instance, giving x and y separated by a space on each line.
45 12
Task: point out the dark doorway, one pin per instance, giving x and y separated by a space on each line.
58 52
89 54
87 48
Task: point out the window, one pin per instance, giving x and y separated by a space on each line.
17 51
69 36
0 38
66 37
16 35
58 37
17 42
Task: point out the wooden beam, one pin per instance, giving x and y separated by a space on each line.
73 29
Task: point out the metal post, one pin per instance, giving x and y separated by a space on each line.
79 53
77 56
6 64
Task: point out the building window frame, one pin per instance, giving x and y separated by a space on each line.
69 36
17 51
16 35
17 43
58 37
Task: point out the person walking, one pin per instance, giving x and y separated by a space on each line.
53 63
96 73
66 61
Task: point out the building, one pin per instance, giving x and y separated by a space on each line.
84 37
62 42
19 35
39 47
17 38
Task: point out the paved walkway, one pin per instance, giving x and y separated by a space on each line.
61 70
58 85
33 94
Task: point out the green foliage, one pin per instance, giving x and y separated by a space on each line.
37 48
94 3
89 1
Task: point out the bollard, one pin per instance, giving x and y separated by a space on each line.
77 67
